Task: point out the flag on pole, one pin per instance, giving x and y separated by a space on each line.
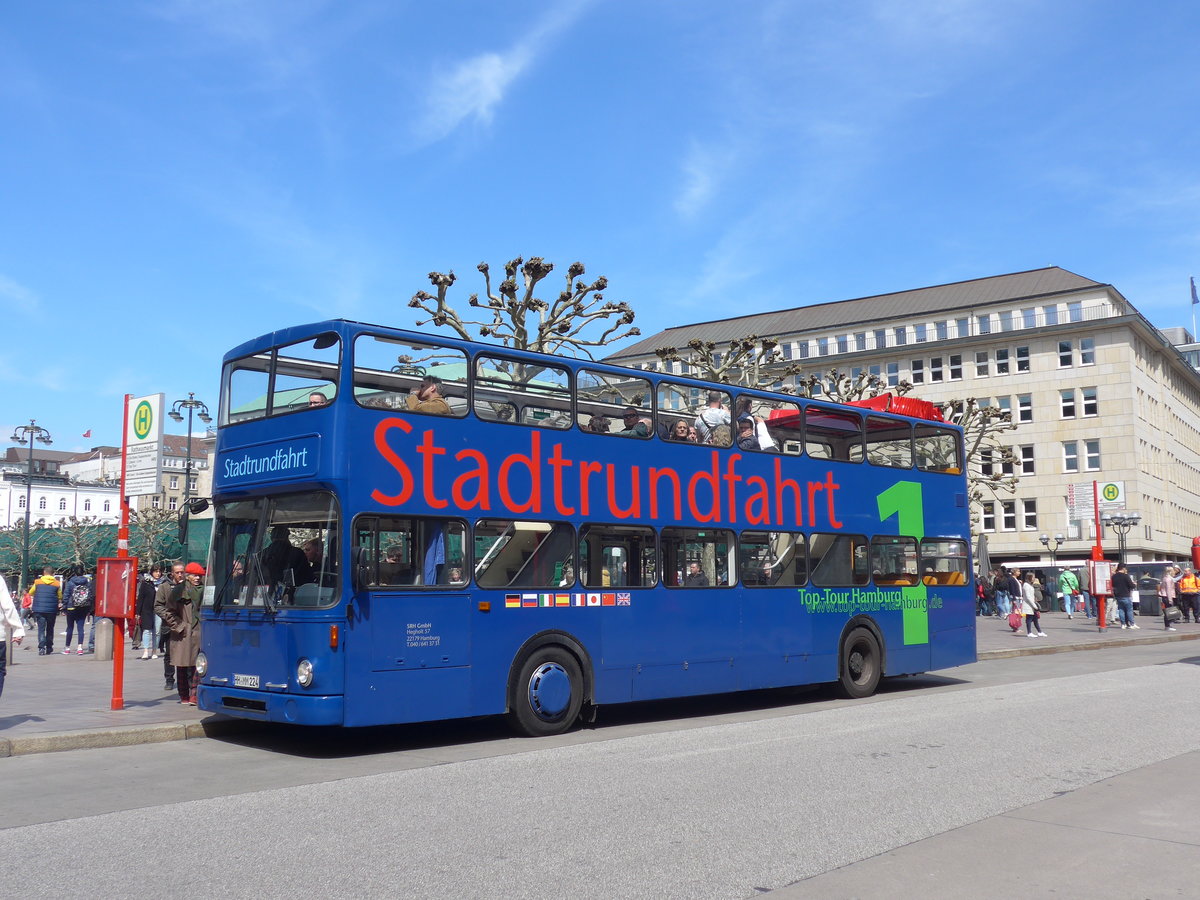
1195 299
88 433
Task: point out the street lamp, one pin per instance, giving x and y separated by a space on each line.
1122 523
22 433
190 404
1058 542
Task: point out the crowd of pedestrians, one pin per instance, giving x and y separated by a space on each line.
166 619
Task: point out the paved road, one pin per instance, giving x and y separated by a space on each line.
989 783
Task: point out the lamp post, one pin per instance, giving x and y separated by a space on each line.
22 433
192 405
1122 524
1058 542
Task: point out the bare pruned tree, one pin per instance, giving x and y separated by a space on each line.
152 534
516 318
750 361
840 387
84 535
984 428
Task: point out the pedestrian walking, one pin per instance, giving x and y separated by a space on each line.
1167 592
11 629
47 599
1085 590
164 635
1189 595
77 600
1123 588
1031 606
145 612
180 610
1004 597
1068 584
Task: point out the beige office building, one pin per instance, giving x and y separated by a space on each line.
1099 395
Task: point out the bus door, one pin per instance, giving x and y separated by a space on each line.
776 627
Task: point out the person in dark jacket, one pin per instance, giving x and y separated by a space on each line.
47 599
1123 588
145 611
77 600
161 595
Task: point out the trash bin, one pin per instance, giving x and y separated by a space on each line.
1150 604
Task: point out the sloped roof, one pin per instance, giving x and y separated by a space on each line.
940 299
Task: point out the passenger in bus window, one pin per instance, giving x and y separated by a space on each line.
695 578
746 439
454 575
280 559
634 425
427 398
313 551
568 576
317 398
599 424
711 417
680 431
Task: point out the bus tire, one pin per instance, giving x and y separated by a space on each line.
861 665
547 694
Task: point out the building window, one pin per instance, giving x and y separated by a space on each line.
1010 515
1004 404
956 368
901 336
1091 406
1075 311
1006 320
941 330
1022 359
1064 354
1030 511
920 332
985 324
1026 455
192 484
1024 407
87 505
1087 351
1029 318
822 346
843 343
1002 362
918 371
1070 456
893 374
172 502
802 349
156 501
981 363
107 505
1050 314
20 503
935 369
986 466
1066 403
989 516
174 482
963 327
860 340
1092 461
62 504
41 503
880 338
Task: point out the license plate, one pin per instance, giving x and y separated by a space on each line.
250 681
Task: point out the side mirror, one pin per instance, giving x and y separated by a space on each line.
361 566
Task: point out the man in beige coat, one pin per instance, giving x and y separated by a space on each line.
179 608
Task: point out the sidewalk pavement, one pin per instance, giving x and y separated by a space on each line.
62 702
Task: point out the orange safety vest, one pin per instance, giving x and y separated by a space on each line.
1189 584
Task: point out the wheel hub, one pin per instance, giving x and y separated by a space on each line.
549 691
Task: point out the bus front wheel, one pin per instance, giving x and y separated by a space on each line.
547 695
861 665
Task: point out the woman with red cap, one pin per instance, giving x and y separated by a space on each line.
181 613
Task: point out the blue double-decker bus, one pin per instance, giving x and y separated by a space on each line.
411 528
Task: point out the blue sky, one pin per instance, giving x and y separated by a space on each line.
180 176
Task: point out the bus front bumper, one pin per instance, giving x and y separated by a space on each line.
267 706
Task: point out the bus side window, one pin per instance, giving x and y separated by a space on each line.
613 404
889 442
417 552
937 450
617 556
832 434
838 560
520 392
388 371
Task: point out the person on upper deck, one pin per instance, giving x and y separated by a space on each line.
427 398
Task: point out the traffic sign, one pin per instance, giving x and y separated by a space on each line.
1110 494
143 443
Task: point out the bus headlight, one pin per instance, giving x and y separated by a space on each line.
201 664
304 673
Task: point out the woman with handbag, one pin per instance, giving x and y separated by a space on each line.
1167 592
1031 607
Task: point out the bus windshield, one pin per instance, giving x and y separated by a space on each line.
273 552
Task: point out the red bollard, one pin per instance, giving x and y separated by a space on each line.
1101 612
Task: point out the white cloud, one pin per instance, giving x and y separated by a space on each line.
703 169
17 296
473 88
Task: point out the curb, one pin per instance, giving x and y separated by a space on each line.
124 736
1097 644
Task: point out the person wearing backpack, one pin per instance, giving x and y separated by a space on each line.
77 602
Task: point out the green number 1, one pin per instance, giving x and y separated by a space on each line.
903 500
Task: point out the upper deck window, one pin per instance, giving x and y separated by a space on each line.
521 392
692 415
282 380
614 404
833 434
391 373
889 442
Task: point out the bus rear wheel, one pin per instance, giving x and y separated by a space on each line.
547 695
861 665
